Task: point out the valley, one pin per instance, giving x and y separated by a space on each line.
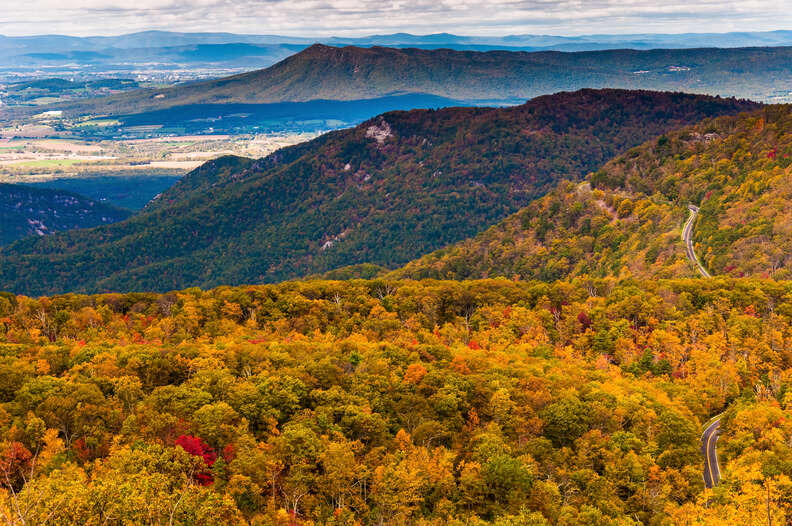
397 279
26 211
323 87
127 173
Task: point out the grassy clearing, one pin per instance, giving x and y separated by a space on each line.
46 100
101 123
50 163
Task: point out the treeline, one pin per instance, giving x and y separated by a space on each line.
398 402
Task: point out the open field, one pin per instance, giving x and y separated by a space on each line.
127 173
46 163
64 145
20 158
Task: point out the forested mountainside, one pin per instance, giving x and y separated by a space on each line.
389 403
737 169
573 231
209 177
27 211
353 73
385 192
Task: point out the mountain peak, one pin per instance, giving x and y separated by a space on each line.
322 72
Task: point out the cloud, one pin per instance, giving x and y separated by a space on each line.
358 17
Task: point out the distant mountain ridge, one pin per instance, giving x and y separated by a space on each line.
27 211
384 192
149 39
353 73
209 55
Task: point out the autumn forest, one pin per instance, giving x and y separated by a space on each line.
398 402
494 318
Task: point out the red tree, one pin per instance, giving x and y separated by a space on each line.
198 448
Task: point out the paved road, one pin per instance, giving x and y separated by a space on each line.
709 442
709 439
687 237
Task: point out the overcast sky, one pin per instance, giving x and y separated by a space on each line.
359 17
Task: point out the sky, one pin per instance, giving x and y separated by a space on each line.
364 17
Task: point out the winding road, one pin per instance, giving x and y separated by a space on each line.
709 439
687 237
709 449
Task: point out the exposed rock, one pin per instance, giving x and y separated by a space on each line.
379 132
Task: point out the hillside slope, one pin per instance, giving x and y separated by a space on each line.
385 192
353 73
737 169
27 211
573 231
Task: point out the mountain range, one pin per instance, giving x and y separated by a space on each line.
354 74
385 192
264 50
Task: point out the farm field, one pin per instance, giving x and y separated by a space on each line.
126 173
